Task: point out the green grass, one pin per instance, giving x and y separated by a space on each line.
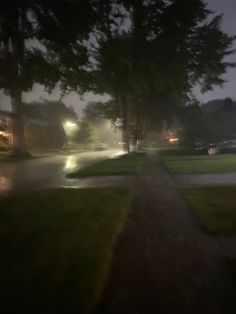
215 208
124 165
56 248
231 265
195 164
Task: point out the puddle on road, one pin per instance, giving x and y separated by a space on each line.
71 164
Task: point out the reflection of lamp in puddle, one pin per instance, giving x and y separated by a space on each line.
70 163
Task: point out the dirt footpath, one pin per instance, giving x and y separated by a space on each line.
163 263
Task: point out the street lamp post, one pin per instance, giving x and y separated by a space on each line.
70 128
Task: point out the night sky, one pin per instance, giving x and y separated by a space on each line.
227 7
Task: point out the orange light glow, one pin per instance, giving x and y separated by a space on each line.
4 133
173 140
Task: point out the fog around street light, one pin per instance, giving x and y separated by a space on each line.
70 128
70 124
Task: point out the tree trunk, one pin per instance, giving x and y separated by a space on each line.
123 112
126 137
19 146
17 51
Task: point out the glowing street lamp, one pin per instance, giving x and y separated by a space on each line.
70 125
70 129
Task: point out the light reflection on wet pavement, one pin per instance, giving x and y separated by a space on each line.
101 181
51 172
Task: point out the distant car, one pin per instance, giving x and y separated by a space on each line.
228 146
100 146
201 148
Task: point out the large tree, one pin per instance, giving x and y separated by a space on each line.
39 42
165 48
137 48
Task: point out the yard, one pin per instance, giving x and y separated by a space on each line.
124 165
214 207
56 248
196 164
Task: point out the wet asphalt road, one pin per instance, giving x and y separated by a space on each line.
46 172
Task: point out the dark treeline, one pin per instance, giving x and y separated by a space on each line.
147 55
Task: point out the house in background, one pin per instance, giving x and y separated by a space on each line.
6 138
43 125
221 114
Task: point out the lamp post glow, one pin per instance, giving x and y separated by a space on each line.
70 125
70 129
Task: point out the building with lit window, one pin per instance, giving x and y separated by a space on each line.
6 139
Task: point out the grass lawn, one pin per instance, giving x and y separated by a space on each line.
124 165
56 248
196 164
231 265
215 208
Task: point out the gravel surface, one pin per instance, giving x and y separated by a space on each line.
163 263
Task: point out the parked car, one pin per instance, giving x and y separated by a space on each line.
201 148
100 146
228 146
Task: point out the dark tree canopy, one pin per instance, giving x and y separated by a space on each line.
150 65
43 38
96 111
136 51
42 41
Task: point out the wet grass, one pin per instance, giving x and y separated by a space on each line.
231 265
196 164
124 165
214 208
56 248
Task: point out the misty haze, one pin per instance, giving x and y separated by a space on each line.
117 157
